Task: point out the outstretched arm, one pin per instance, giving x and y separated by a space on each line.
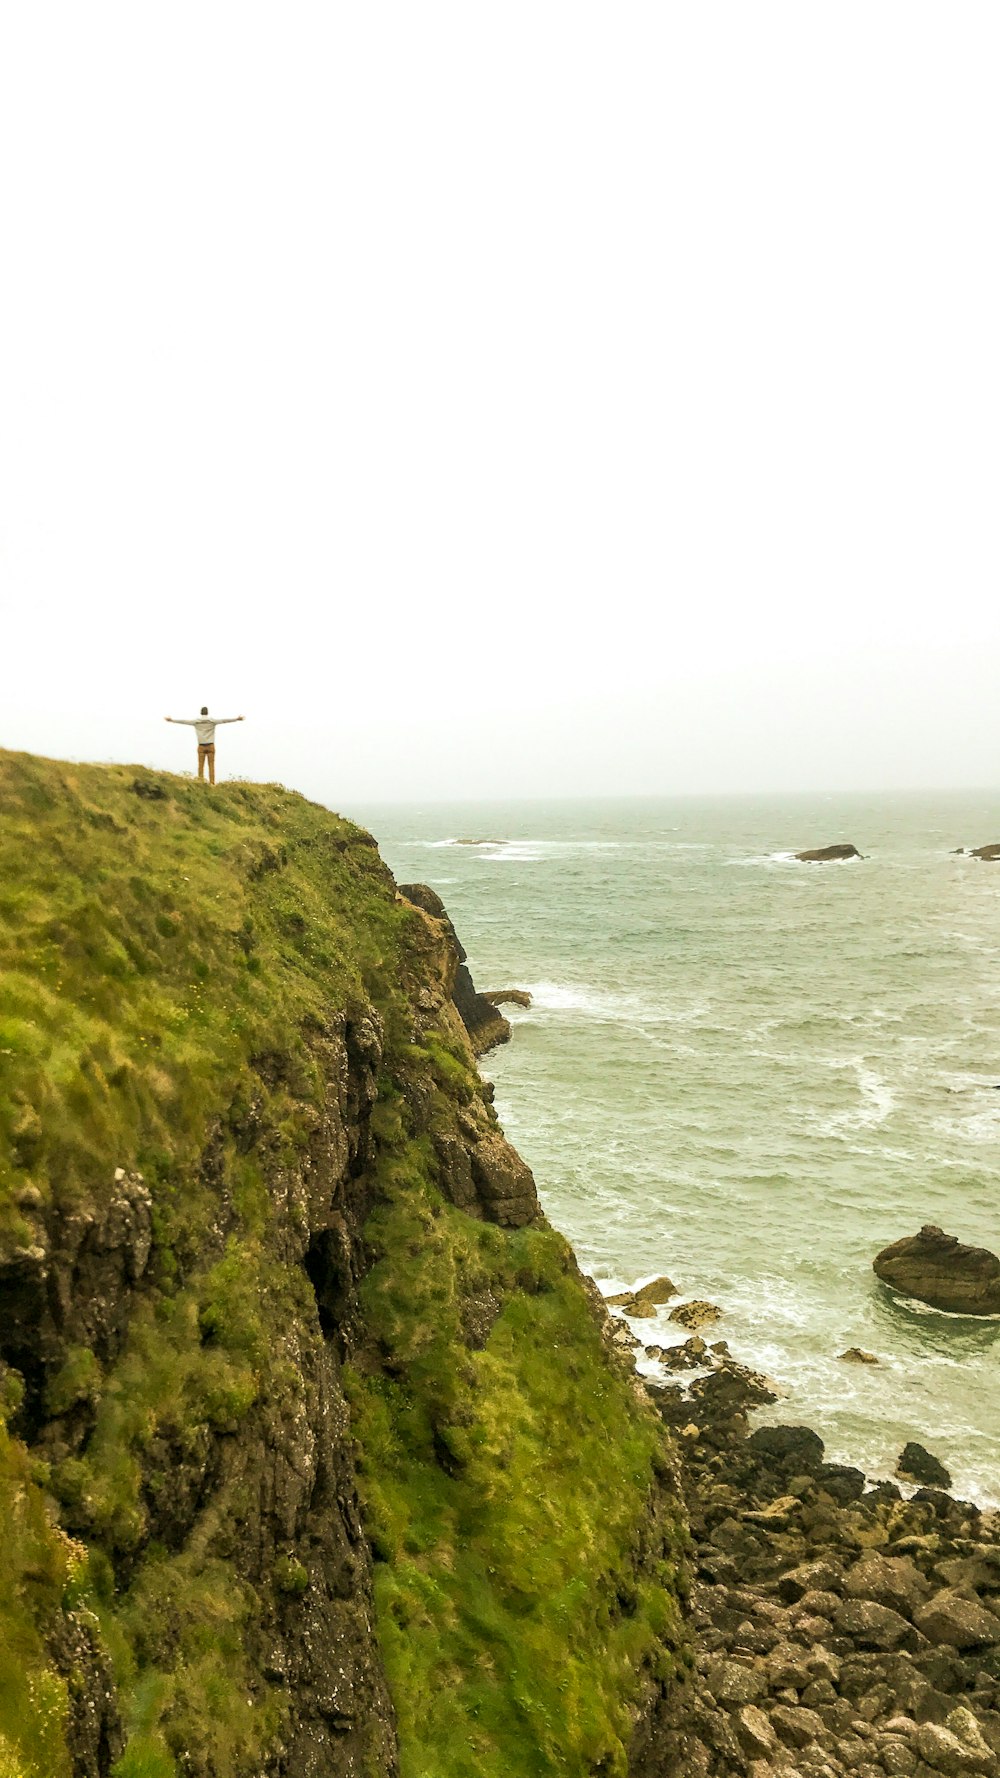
182 721
221 719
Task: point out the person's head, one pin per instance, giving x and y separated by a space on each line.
204 709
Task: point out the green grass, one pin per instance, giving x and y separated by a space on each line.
166 966
504 1488
169 968
38 1564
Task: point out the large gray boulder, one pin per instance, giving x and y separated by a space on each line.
940 1270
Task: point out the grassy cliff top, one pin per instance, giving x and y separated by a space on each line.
156 934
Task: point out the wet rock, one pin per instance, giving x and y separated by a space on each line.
696 1314
792 1450
824 854
957 1622
989 853
915 1464
508 997
940 1270
690 1356
644 1302
857 1355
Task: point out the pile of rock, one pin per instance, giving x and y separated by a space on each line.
839 1627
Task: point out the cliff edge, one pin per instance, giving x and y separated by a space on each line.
316 1456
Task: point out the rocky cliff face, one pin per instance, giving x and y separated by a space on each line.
318 1458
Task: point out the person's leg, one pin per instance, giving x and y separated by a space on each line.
211 765
201 760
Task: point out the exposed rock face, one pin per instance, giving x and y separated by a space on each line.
508 997
825 854
485 1025
938 1269
990 853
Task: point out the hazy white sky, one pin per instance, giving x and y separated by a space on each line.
524 398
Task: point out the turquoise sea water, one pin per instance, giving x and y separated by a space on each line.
752 1074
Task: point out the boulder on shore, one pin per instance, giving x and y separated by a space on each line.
940 1270
823 854
917 1464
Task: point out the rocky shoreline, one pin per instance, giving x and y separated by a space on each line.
838 1627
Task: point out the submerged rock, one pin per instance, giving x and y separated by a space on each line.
857 1355
938 1269
824 854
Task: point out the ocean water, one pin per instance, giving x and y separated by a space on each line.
752 1074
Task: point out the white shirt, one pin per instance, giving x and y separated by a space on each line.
204 726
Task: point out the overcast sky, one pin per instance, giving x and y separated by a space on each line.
504 399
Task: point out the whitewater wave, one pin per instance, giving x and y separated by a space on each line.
877 1099
603 1004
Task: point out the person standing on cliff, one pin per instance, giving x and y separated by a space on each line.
205 727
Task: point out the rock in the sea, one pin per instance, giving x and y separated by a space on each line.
824 854
991 853
696 1314
508 997
916 1464
857 1355
940 1270
644 1302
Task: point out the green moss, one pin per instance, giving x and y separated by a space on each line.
503 1489
38 1564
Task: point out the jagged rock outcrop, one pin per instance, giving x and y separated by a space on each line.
826 854
989 853
941 1270
485 1025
